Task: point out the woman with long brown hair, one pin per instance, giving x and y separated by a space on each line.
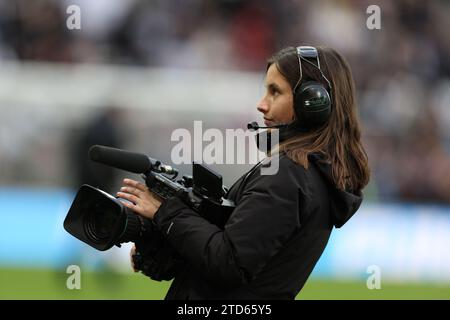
282 222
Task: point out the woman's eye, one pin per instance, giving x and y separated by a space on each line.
274 91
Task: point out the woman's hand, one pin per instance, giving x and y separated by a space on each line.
143 201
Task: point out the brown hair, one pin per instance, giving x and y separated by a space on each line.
339 139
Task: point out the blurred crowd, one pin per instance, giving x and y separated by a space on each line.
401 71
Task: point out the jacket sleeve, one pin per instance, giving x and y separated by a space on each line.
264 219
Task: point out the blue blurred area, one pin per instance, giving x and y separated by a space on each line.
407 242
31 229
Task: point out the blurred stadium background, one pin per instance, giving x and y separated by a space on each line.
137 70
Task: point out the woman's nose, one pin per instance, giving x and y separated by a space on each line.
262 106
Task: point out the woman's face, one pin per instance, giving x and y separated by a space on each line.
277 105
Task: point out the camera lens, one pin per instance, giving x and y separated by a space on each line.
99 223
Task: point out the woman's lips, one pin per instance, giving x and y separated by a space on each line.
268 122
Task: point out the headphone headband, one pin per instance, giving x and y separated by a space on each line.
308 52
310 55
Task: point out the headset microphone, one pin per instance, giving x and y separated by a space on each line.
254 126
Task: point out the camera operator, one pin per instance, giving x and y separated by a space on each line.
282 222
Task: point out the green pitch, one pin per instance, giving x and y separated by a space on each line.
48 284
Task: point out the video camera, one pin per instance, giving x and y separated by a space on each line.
102 221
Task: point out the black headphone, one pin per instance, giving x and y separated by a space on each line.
312 101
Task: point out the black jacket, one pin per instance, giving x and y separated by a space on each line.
271 242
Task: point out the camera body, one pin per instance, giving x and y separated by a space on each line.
102 221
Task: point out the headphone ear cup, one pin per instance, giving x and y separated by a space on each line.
312 104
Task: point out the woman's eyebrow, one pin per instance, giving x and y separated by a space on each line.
273 85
